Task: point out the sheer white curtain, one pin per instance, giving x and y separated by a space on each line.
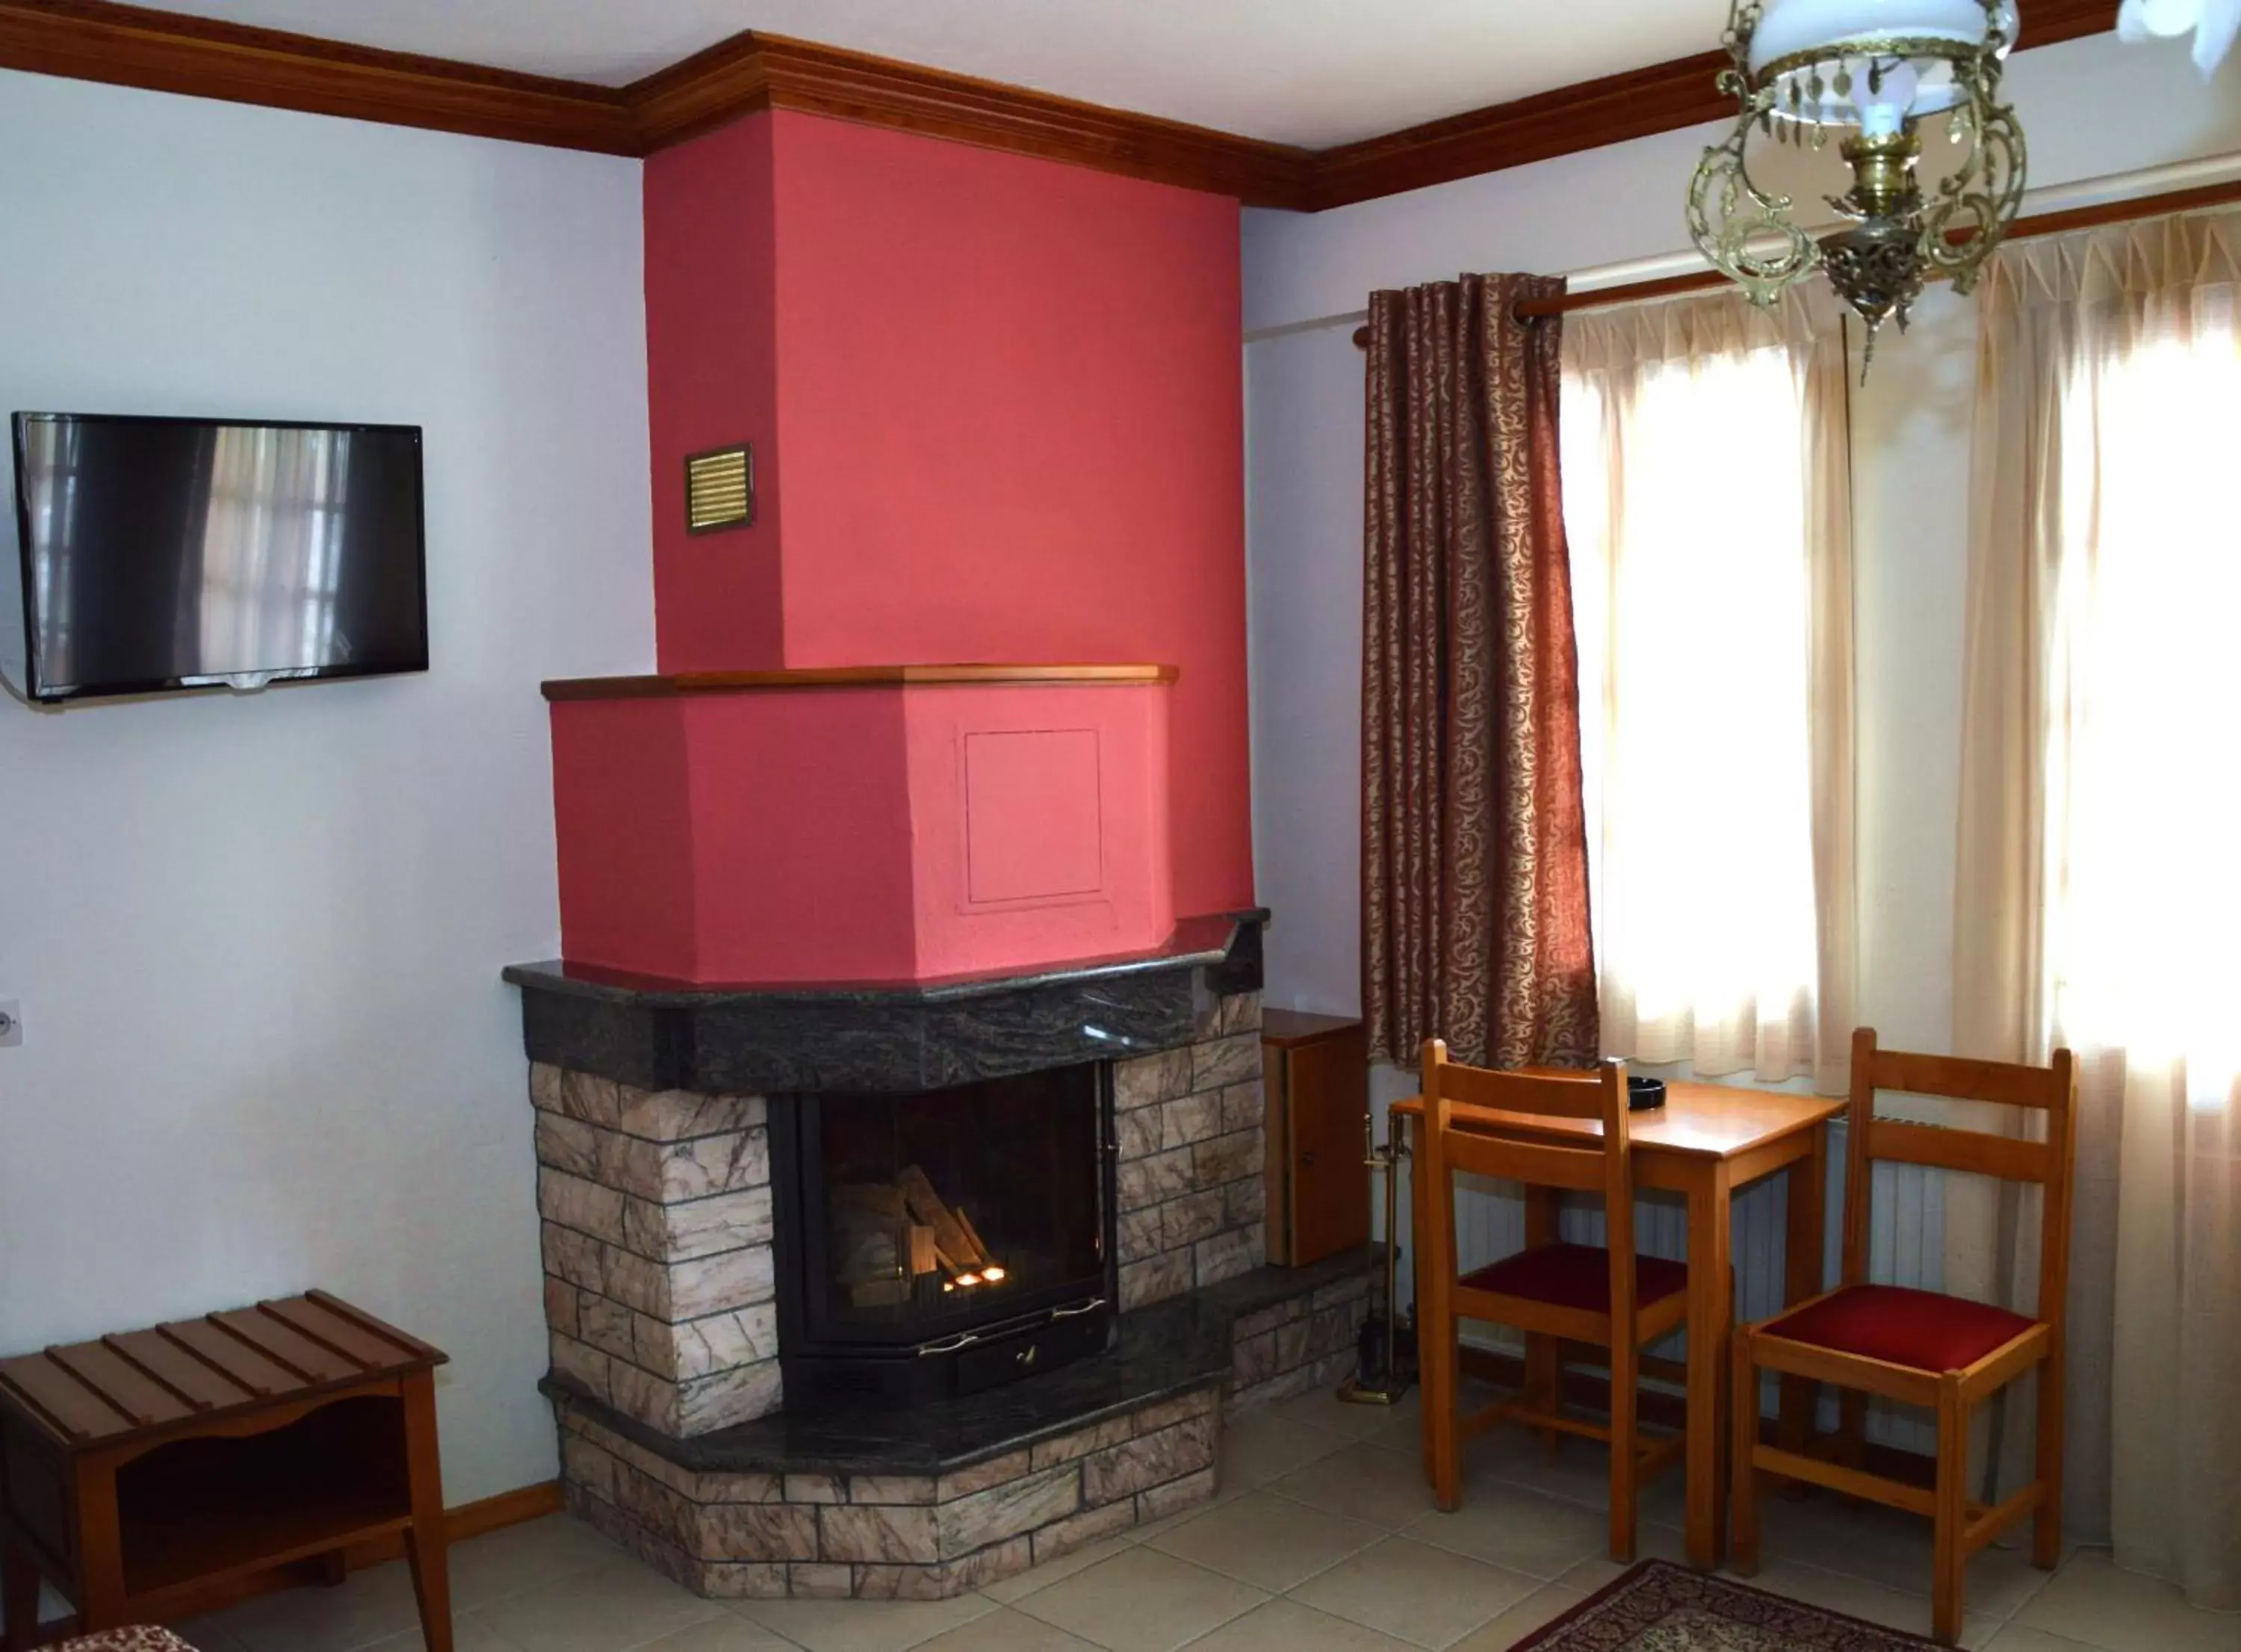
1708 502
2099 895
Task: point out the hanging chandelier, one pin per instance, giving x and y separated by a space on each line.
2212 23
1874 74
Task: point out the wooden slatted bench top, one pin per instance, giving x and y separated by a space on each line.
142 1384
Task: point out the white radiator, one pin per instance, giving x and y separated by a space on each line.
1906 1246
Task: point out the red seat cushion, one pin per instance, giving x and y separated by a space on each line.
1920 1329
1577 1276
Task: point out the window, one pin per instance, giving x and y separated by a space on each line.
2099 890
2144 907
1694 586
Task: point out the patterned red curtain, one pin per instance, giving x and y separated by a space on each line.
1474 880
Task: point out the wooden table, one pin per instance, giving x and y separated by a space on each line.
139 1471
1707 1143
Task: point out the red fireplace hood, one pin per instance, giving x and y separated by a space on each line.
996 413
862 823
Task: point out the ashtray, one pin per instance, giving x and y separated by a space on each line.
1643 1094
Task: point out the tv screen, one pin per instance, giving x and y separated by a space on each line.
162 554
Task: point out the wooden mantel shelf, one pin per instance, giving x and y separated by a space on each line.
738 682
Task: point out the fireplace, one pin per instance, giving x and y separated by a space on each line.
762 1387
938 1243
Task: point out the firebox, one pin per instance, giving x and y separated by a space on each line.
942 1242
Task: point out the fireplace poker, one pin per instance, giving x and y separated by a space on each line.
1385 1362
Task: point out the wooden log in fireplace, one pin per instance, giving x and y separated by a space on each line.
894 1234
959 1246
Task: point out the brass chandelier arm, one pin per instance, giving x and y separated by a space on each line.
1976 206
1895 238
2063 221
1730 216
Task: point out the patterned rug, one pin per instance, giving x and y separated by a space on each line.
1659 1606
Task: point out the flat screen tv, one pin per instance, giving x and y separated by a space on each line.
170 554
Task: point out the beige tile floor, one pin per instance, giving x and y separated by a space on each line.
1323 1540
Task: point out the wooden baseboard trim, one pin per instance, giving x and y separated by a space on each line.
515 1507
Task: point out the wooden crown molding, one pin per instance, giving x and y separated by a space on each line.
126 45
754 71
163 52
1663 98
677 683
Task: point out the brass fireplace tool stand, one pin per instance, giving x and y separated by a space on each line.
1386 1364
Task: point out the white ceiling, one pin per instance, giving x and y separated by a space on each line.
1316 72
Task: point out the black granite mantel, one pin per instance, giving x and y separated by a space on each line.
899 1036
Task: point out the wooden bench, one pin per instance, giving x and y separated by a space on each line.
140 1471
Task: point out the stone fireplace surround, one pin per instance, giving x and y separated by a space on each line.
655 1192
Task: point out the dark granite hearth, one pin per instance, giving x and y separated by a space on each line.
1265 1287
903 1036
831 1500
1161 1352
1170 1349
674 1178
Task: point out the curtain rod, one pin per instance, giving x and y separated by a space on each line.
2038 223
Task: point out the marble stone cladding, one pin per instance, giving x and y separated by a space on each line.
1304 1341
1192 1204
660 1284
768 1509
660 1270
660 1294
890 1537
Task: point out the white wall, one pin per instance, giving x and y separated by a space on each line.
2091 108
258 940
1304 416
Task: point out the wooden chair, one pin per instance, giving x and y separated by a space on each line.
1482 1123
1943 1353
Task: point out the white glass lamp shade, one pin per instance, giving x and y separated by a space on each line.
2212 23
1859 43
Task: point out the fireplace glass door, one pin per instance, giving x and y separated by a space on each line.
935 1212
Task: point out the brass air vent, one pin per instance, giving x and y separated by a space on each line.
719 490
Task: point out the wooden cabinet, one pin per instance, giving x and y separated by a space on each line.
1316 1069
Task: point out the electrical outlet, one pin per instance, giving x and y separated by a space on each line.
11 1024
